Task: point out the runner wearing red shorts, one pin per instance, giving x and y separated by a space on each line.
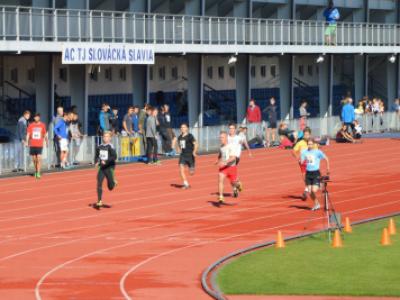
227 167
297 150
35 137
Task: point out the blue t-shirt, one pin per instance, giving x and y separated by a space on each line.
135 122
313 159
331 15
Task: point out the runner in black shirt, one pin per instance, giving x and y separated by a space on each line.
187 147
105 162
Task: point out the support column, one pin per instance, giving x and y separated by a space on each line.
140 84
242 86
391 84
286 86
43 71
324 80
194 88
360 76
77 87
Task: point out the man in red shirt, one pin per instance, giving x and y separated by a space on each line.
36 135
253 117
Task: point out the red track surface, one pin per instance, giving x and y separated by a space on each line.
156 240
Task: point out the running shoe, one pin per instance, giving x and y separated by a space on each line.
304 196
185 187
316 207
99 203
35 175
240 187
221 199
38 176
157 162
235 193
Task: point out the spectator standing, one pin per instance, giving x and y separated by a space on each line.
359 111
56 143
253 116
127 124
164 120
151 136
304 114
348 114
331 15
21 142
105 117
75 130
114 120
61 131
272 119
396 114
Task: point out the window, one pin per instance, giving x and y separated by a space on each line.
263 71
221 71
108 74
210 72
94 72
301 70
31 75
63 74
14 75
273 71
174 73
122 74
161 73
151 73
253 71
232 72
310 70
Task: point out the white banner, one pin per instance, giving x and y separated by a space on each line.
102 53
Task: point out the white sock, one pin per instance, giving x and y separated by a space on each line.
306 190
185 183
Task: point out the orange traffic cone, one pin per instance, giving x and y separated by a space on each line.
337 240
347 226
385 240
280 242
392 227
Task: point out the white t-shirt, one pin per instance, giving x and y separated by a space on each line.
237 141
228 151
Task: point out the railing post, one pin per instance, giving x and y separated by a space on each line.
91 26
183 29
164 30
134 27
3 10
55 25
17 23
209 31
235 31
123 27
68 26
43 32
281 32
102 26
259 32
192 31
173 29
218 31
154 29
113 27
227 31
30 24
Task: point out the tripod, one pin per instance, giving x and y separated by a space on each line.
329 208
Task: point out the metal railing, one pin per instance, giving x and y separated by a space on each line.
69 25
207 137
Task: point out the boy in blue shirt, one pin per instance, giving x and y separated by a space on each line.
312 157
331 15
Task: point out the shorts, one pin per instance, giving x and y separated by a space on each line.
230 172
272 125
303 167
313 178
187 160
35 151
330 29
64 145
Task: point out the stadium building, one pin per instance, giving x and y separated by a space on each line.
210 56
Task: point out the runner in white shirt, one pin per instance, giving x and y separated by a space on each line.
238 141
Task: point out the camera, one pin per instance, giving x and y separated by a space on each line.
325 178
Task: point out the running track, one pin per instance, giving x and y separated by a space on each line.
156 240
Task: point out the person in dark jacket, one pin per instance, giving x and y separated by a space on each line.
164 121
22 125
272 118
105 159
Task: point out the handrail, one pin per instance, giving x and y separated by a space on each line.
21 91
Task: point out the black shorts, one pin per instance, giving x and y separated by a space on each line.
313 178
187 160
272 125
35 151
